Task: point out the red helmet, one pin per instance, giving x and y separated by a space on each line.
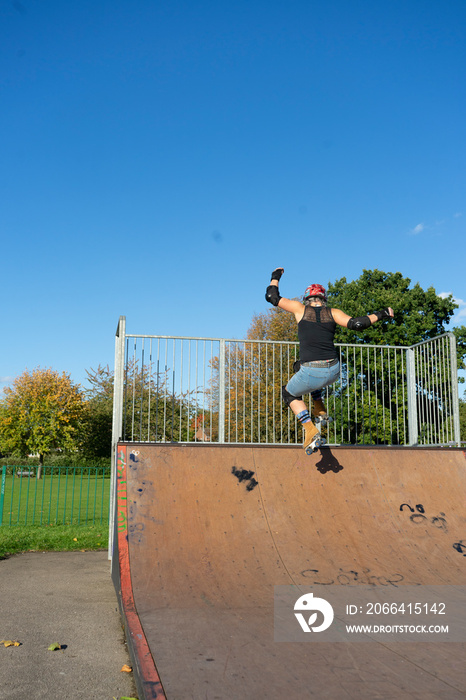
315 290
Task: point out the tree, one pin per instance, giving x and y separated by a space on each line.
255 372
463 420
419 314
96 433
273 324
151 409
40 412
460 336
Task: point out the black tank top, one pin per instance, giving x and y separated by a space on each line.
315 334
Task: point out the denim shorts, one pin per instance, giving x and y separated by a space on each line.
312 378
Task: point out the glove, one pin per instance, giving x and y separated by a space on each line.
276 274
385 313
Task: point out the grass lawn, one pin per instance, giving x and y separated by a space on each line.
66 510
52 538
67 496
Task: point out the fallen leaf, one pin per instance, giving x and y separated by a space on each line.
10 643
126 669
54 647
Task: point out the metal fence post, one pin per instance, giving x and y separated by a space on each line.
221 392
117 423
412 399
454 389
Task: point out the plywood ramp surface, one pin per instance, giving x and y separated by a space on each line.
207 531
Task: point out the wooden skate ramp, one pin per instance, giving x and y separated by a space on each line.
205 532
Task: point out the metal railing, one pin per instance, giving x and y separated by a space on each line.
179 389
62 496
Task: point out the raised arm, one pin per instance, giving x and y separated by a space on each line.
272 295
360 323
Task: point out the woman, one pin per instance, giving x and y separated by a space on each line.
318 363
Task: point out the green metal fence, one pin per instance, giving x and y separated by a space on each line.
61 496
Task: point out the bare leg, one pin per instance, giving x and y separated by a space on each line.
297 406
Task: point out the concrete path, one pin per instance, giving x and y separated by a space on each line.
66 598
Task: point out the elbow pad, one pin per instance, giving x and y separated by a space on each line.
272 295
359 324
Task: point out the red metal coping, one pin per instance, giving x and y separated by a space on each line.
148 678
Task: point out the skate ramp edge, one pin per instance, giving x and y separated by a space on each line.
203 533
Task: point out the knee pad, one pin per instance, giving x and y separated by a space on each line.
288 398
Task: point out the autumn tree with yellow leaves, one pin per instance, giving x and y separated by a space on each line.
40 411
255 371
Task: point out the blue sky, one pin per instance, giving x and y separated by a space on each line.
159 159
